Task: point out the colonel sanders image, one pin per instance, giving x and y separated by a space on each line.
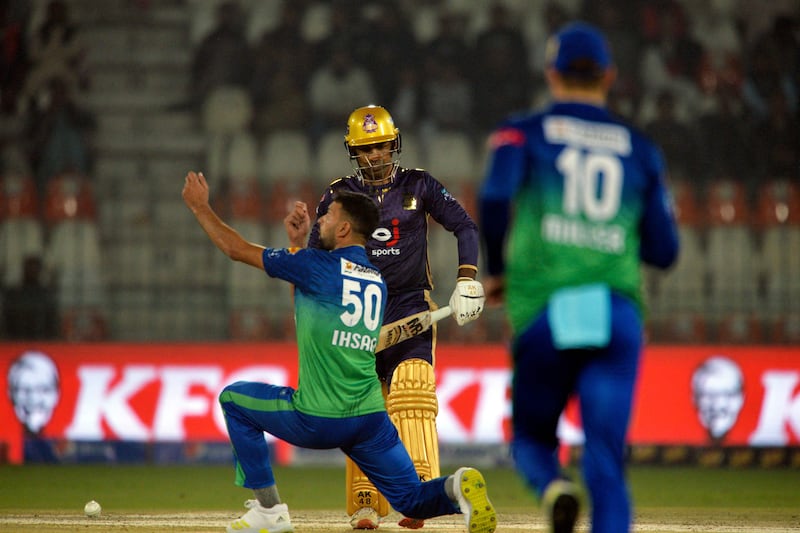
33 386
718 394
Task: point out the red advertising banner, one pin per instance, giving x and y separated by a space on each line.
687 395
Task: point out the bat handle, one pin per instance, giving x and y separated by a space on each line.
442 312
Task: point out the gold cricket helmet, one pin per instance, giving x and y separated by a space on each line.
368 125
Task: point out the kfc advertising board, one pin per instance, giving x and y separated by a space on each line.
154 393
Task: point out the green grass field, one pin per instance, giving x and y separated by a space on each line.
668 499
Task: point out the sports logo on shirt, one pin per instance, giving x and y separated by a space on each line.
388 236
354 270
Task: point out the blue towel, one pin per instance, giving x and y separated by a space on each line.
580 317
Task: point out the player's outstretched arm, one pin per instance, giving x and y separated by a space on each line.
195 195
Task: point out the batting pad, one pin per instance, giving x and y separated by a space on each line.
412 406
360 491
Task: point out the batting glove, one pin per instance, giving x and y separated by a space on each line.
467 300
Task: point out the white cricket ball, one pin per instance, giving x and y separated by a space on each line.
92 509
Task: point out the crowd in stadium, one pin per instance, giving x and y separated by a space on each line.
716 83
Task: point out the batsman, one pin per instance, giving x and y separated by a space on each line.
399 248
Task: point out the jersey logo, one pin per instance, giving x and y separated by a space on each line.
354 270
388 236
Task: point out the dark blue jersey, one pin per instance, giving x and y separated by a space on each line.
399 247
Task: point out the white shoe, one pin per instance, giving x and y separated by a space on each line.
561 505
365 518
470 488
262 520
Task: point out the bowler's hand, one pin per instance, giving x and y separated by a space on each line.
195 191
298 225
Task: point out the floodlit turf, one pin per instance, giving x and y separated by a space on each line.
672 495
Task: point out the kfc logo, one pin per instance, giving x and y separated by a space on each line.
718 395
107 400
34 389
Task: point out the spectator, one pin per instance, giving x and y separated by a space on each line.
282 60
677 139
447 92
394 48
408 100
671 58
777 141
220 87
773 63
30 309
616 19
13 53
59 134
726 135
502 81
223 56
346 22
447 100
57 52
450 44
336 88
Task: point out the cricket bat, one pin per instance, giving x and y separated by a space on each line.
410 326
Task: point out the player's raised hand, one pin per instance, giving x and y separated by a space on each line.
298 224
195 190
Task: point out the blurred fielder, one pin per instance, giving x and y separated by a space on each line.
573 201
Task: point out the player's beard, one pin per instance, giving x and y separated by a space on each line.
326 242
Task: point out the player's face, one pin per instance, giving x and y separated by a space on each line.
329 224
375 161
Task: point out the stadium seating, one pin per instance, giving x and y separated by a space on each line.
683 287
732 253
242 158
451 158
332 160
779 226
411 154
739 328
286 155
73 258
226 114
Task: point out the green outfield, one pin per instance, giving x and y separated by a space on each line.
203 498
